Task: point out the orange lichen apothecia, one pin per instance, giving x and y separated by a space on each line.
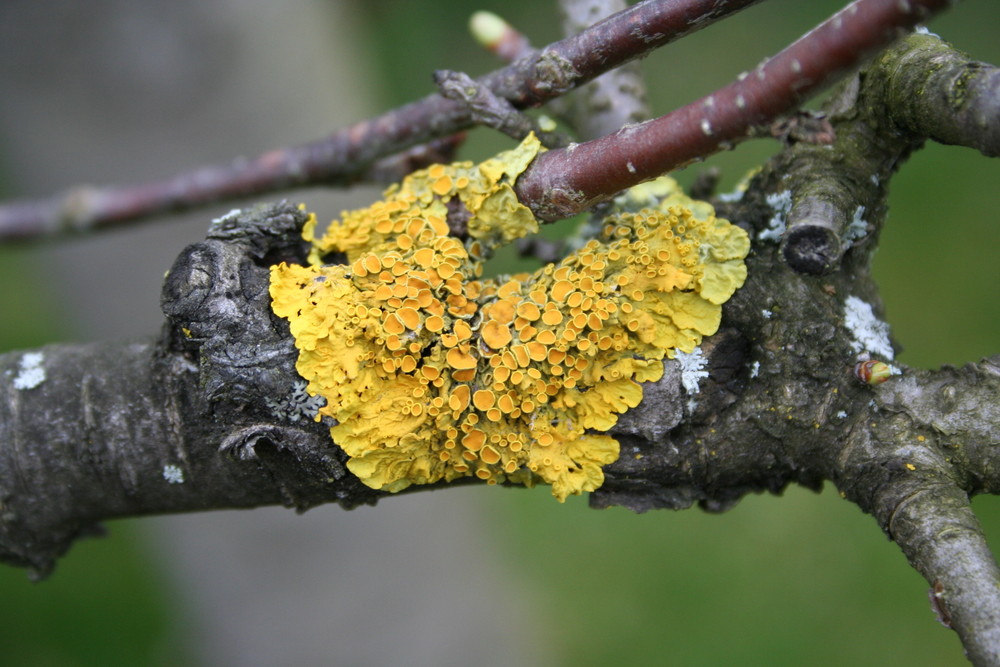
432 373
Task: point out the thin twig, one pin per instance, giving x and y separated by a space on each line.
491 111
563 182
392 169
343 157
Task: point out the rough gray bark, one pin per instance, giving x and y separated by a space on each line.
204 417
209 414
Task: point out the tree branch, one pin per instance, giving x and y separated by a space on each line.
828 194
344 157
564 182
212 414
491 111
946 425
941 537
960 98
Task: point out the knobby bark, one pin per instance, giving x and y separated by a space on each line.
211 414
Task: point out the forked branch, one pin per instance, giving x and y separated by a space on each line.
345 156
564 182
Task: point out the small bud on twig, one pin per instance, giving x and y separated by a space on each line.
498 36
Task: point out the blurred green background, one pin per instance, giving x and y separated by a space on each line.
801 579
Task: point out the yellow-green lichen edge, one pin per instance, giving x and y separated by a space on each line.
432 373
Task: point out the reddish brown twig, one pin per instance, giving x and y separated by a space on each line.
342 158
563 182
86 208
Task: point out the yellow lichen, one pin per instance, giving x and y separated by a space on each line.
433 374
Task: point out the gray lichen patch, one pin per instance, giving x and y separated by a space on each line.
173 474
868 333
781 204
31 373
297 405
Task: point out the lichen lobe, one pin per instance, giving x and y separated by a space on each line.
433 373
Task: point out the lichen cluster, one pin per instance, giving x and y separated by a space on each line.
432 373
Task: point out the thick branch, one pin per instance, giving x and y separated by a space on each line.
908 95
211 416
958 100
921 499
913 463
941 537
955 411
927 440
832 192
71 452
